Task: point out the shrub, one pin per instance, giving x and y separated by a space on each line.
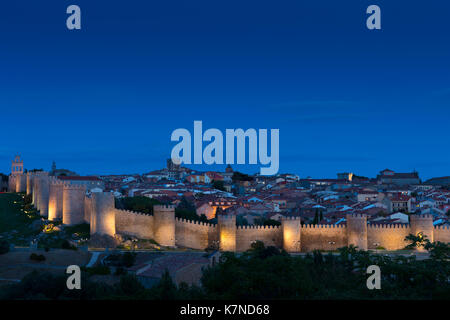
4 246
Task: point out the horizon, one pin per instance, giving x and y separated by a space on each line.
105 99
218 168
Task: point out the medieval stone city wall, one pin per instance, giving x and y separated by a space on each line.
73 204
195 234
55 199
70 203
442 234
388 236
134 224
269 235
323 237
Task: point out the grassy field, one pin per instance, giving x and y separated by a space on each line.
15 220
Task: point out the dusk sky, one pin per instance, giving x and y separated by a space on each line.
106 98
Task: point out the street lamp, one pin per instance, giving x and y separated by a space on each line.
331 243
376 244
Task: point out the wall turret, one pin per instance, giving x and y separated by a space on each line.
102 215
55 201
12 183
29 183
422 223
43 186
227 232
164 225
291 234
73 204
357 230
35 189
21 182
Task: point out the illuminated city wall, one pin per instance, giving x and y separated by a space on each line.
71 203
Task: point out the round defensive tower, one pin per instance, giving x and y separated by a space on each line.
357 230
103 217
12 183
73 204
227 232
35 191
21 182
291 228
55 199
87 209
164 225
29 183
36 184
422 223
43 192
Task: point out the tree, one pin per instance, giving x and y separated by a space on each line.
438 250
241 221
238 176
165 289
186 210
137 204
267 222
219 210
316 217
219 185
416 241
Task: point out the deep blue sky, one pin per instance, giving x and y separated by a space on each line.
105 99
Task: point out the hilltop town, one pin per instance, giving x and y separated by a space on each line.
181 221
388 198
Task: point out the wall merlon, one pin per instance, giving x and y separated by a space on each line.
388 226
420 217
357 216
290 218
163 207
74 187
323 226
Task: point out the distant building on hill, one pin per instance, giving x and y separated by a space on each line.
440 181
345 176
391 177
60 172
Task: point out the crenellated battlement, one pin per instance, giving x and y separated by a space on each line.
163 207
324 226
226 216
357 216
133 212
447 228
40 173
255 227
55 181
290 218
71 186
194 222
419 217
389 226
